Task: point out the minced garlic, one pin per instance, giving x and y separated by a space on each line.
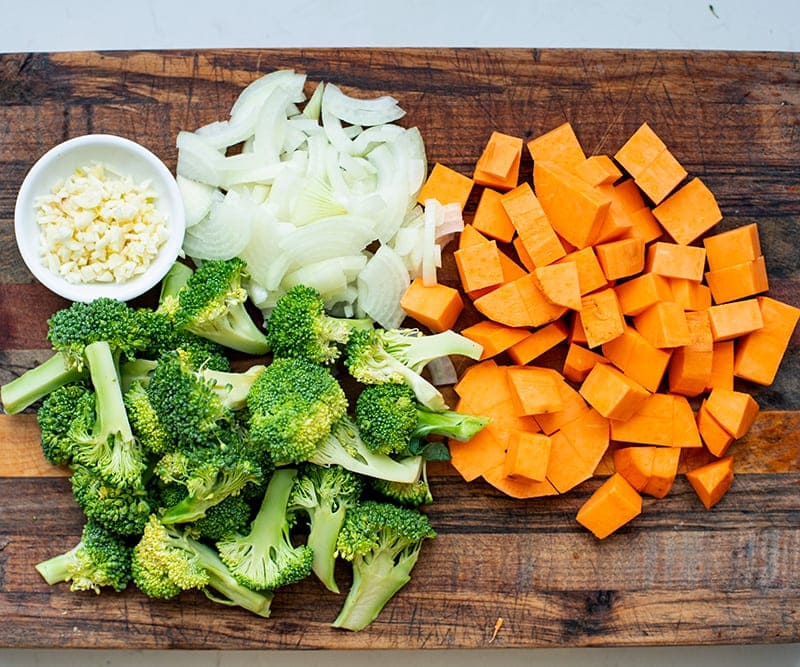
99 227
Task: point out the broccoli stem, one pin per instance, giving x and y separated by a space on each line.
267 527
177 276
222 581
38 382
57 569
374 584
233 387
112 418
417 351
235 330
427 395
322 535
455 425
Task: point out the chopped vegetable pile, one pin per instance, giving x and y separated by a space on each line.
313 449
193 475
613 262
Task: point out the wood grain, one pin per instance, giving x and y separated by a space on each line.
678 574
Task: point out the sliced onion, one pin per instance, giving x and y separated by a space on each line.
443 371
381 284
338 236
247 106
376 111
266 263
314 104
224 232
434 214
197 199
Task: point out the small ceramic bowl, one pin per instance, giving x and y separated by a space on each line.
124 157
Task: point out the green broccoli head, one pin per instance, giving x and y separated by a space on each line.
209 474
229 516
101 559
185 401
383 542
162 566
392 421
412 494
265 558
292 405
165 336
345 447
298 326
370 362
55 416
167 561
386 416
71 329
122 510
101 433
146 425
323 494
211 304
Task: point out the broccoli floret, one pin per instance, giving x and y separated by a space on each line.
208 473
185 402
101 434
389 418
380 356
211 304
298 326
323 494
69 331
101 559
55 416
265 558
231 515
174 280
412 494
344 446
166 561
292 405
383 542
147 427
165 336
122 510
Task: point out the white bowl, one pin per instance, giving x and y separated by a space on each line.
125 157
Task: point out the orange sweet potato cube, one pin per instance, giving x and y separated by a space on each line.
436 306
611 393
527 455
447 186
610 507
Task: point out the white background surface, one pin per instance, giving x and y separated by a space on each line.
48 25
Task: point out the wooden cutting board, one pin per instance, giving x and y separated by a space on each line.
679 574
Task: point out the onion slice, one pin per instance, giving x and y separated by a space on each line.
381 284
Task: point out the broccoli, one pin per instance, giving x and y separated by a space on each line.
100 432
186 403
380 356
101 559
166 561
292 405
164 336
69 331
344 446
211 304
383 542
231 515
209 473
298 326
151 433
136 371
122 510
55 416
265 558
389 418
174 280
412 494
323 494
